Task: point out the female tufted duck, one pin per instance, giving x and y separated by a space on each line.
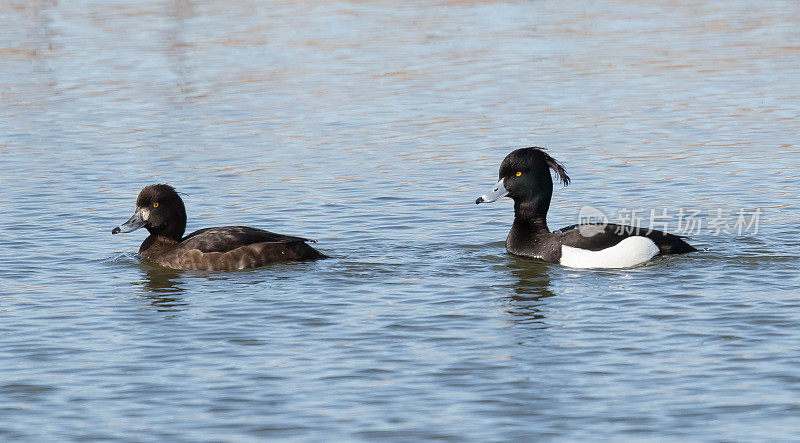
160 210
525 177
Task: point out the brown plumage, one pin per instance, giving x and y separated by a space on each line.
161 211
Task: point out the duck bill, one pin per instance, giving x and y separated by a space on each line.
498 191
135 222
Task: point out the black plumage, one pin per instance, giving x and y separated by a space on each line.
525 177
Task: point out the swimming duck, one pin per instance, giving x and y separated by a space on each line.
525 177
160 210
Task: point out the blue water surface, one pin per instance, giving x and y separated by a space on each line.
372 127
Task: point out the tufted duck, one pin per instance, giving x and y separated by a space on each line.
160 210
525 177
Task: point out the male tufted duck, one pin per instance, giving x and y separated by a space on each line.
160 210
525 177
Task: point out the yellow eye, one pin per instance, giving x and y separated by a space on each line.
155 205
519 173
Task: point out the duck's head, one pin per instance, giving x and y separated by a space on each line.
525 177
159 209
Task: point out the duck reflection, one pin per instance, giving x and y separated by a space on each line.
163 287
530 291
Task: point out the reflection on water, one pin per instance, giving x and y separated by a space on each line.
159 279
532 276
530 291
163 287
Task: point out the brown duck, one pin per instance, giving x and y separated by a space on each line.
160 210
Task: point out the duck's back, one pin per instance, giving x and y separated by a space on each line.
231 248
599 237
228 238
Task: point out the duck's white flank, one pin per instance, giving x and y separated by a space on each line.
629 252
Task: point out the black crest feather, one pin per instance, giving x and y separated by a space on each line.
558 168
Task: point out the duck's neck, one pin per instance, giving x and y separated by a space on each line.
172 230
155 242
531 216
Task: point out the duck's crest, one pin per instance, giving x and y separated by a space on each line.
558 168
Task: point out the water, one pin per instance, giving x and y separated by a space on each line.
372 127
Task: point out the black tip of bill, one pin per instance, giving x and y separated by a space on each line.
116 230
479 200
